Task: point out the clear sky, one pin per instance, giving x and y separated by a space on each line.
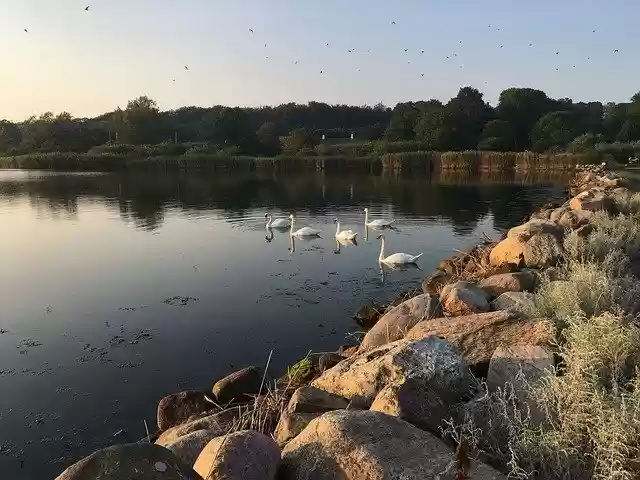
89 62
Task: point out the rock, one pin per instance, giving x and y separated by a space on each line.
593 201
219 422
243 455
328 360
434 284
543 214
464 298
130 461
430 361
368 315
361 445
178 407
509 250
515 301
417 404
347 351
575 218
238 386
534 227
305 404
399 320
477 336
542 250
584 231
496 285
359 403
188 447
523 366
557 213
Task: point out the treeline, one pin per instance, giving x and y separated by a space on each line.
524 119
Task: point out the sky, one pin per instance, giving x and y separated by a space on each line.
90 62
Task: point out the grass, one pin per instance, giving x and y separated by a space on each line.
591 402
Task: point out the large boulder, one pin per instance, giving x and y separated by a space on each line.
432 362
516 301
176 408
557 213
542 250
524 367
217 422
593 201
238 386
364 445
306 404
433 284
573 219
464 298
496 285
477 336
534 227
131 461
509 250
399 320
188 447
243 455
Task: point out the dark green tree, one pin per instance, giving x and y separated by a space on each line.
497 135
430 128
465 116
554 131
522 108
10 136
300 140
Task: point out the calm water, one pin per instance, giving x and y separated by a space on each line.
120 289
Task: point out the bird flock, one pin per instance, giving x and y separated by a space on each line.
451 57
342 237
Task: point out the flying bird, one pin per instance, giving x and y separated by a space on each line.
616 51
320 72
296 62
26 31
422 51
174 79
406 49
501 46
460 42
265 45
86 9
251 30
393 22
327 44
186 68
531 44
423 74
594 31
557 53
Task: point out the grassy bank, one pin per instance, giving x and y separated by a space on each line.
471 161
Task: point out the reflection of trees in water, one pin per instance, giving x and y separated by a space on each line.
144 198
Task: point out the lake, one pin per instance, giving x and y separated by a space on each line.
118 289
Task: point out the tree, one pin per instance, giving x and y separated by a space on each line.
233 126
585 143
497 135
522 108
614 117
430 127
268 137
140 122
554 131
10 136
465 116
404 118
298 140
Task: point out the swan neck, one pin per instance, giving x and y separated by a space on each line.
337 228
292 223
381 257
366 216
269 220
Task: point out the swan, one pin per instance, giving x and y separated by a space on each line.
277 222
304 231
396 258
375 223
344 234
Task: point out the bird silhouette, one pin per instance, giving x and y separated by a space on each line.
393 22
460 42
406 49
174 79
327 44
296 62
423 74
265 45
26 31
594 31
557 53
186 68
616 51
320 72
86 9
421 51
501 46
531 44
251 30
349 51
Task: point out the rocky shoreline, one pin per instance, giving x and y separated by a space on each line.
399 404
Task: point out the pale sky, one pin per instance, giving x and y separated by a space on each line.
88 63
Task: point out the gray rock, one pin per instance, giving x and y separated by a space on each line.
400 319
219 422
534 227
238 386
523 302
496 285
430 361
362 445
291 424
176 408
542 250
243 455
328 360
434 284
573 219
464 298
130 461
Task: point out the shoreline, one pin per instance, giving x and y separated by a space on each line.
480 314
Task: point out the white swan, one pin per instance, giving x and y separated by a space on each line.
375 223
277 222
396 258
344 234
304 231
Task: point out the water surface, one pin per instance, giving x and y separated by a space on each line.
119 289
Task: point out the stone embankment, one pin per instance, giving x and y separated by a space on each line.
378 410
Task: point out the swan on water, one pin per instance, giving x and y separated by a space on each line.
396 258
344 234
304 231
376 223
277 222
